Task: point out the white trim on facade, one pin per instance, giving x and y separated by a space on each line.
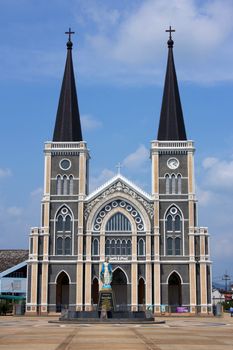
116 178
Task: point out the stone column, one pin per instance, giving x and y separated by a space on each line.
47 169
82 193
192 263
134 286
148 284
44 282
192 274
79 287
157 288
88 305
203 277
34 272
155 194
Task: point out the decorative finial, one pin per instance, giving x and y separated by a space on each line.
69 42
119 166
170 41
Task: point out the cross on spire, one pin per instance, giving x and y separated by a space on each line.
119 166
170 30
69 33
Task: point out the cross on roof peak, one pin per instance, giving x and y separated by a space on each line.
119 166
170 30
69 33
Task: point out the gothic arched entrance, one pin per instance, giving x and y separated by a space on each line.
141 292
62 292
95 291
119 287
174 291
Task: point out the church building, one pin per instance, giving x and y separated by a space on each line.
159 256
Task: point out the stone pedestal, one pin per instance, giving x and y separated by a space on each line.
106 300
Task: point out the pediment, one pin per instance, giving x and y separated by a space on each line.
118 184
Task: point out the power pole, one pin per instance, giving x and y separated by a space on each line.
226 278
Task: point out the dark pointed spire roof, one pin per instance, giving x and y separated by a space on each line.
171 125
68 125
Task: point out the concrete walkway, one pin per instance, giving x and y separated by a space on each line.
17 333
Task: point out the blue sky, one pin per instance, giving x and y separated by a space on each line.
120 55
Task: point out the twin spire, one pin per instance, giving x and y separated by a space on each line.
68 125
171 125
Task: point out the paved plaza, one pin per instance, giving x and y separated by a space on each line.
18 333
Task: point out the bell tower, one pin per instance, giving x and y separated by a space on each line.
58 244
182 266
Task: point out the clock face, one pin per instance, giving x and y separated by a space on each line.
173 163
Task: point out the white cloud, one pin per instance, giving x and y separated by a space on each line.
37 192
127 43
14 211
137 159
134 40
5 173
97 181
223 245
205 197
90 123
218 173
209 162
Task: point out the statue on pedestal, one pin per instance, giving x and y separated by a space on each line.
106 274
106 298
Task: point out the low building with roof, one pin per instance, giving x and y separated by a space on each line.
13 273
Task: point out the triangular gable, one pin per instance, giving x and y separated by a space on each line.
115 180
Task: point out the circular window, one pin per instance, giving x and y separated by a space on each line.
138 220
173 210
97 227
134 213
122 204
140 227
98 220
102 214
64 211
65 164
108 208
114 204
129 208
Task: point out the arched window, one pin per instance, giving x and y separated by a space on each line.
95 247
58 184
71 184
179 183
65 185
141 246
113 247
169 246
173 177
60 223
173 232
68 223
118 223
118 229
118 247
177 246
107 247
129 247
169 223
59 246
177 223
167 183
123 248
63 232
67 246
